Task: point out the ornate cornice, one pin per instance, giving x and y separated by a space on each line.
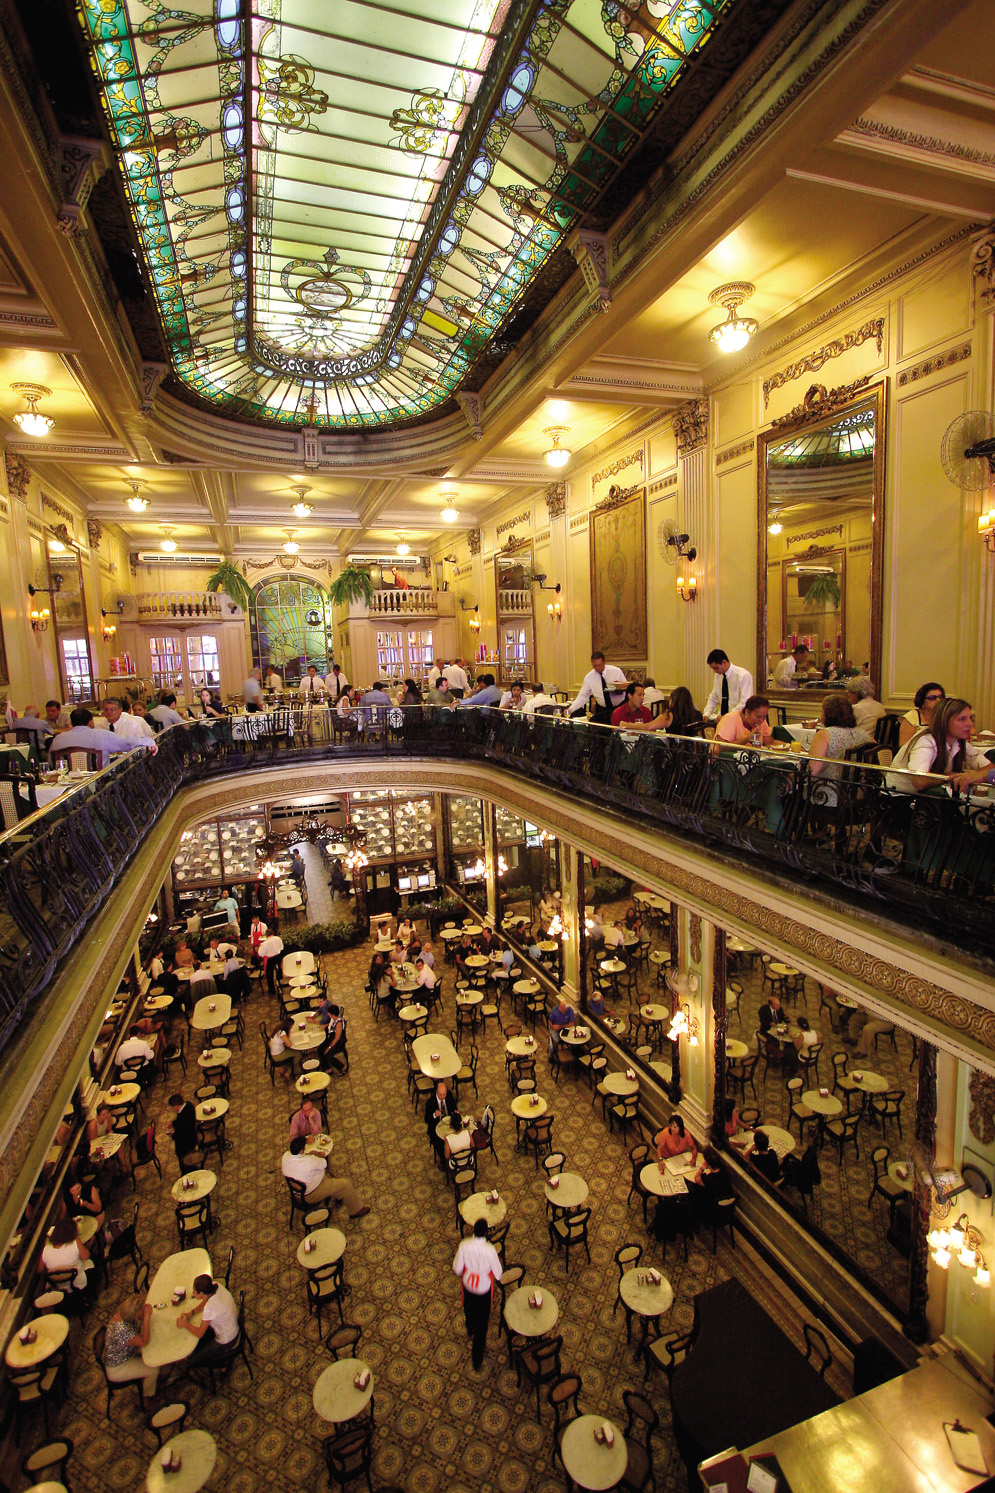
815 534
47 502
876 129
691 426
812 362
734 451
983 263
556 499
618 466
934 364
819 403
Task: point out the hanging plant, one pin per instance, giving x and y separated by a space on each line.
823 591
229 578
352 583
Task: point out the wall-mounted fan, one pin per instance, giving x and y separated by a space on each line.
672 542
65 576
946 1184
967 450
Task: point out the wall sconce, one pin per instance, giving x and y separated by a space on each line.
109 631
964 1241
683 1024
39 618
554 607
986 530
473 621
687 587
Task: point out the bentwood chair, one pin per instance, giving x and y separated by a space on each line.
539 1363
562 1395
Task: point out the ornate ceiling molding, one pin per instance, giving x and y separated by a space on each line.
890 134
82 162
520 518
812 362
618 466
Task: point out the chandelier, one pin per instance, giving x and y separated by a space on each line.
30 421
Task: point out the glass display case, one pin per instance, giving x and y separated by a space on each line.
397 825
510 827
221 850
466 823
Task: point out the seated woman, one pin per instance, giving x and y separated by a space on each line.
377 970
210 705
685 717
101 1124
405 931
64 1251
82 1195
838 734
763 1158
458 1140
942 749
924 702
804 1037
734 1126
127 1334
633 920
675 1141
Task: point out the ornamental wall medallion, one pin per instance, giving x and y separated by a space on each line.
982 1116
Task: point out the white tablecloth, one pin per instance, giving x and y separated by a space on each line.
803 734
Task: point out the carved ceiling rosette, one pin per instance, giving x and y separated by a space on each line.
691 426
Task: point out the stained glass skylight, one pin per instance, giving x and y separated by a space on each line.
339 202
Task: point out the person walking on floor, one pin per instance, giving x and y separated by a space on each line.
478 1266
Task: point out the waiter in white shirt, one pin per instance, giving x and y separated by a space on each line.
605 685
732 688
478 1266
312 686
122 723
458 682
336 682
434 674
786 673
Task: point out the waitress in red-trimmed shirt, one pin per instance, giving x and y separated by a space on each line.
478 1266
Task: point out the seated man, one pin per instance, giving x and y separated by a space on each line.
318 1181
562 1014
770 1014
84 736
864 1028
333 1054
426 976
764 1158
439 1106
184 1129
750 724
135 1051
306 1121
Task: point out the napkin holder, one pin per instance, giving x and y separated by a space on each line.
310 1245
208 1109
492 1197
535 1300
212 1005
362 1379
28 1335
554 1182
180 1294
115 1089
435 1057
530 1041
604 1435
630 1073
859 1076
823 1093
534 1101
902 1172
171 1460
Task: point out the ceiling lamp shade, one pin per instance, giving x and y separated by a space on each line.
557 455
136 502
774 528
167 542
403 548
450 513
29 420
290 546
302 508
732 335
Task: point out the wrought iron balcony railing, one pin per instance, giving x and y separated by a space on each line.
927 858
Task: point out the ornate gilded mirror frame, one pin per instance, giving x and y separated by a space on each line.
820 410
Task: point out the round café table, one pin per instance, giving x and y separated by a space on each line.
523 1108
329 1247
319 1145
525 987
621 1085
476 961
868 1083
448 935
306 1040
52 1331
644 1299
384 946
531 1321
570 1191
628 937
107 1147
660 956
735 1049
826 1105
158 1002
198 1454
469 997
589 1463
521 1047
574 1036
312 1083
654 1012
300 982
414 1012
661 1183
335 1396
217 1106
476 1206
895 1169
214 1057
848 1003
782 1142
545 946
474 929
127 1094
613 966
204 1182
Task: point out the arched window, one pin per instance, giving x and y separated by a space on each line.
291 626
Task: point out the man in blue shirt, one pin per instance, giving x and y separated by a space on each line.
486 693
376 696
562 1015
84 736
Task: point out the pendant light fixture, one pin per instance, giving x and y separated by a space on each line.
557 455
732 335
167 542
290 545
29 420
136 502
301 508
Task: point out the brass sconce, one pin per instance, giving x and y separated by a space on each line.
687 587
554 608
986 530
39 618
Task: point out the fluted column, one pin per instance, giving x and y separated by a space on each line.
699 617
490 862
983 264
571 898
556 668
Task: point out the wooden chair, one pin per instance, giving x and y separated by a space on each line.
885 1186
571 1231
562 1395
626 1258
343 1341
324 1286
888 1106
664 1351
640 1427
538 1137
298 1199
193 1220
99 1340
43 1385
349 1455
844 1133
639 1156
539 1363
49 1463
168 1421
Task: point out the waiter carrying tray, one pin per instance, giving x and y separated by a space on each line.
605 685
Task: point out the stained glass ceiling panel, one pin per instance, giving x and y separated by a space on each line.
339 204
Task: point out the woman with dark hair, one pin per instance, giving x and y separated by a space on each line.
210 704
943 748
924 702
685 717
837 735
412 694
764 1158
675 1141
65 1250
731 1120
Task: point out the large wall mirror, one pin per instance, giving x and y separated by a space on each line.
821 533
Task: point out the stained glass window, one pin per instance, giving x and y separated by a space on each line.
291 627
340 204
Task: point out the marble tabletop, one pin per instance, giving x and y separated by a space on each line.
168 1342
648 1300
197 1453
335 1396
571 1190
52 1331
204 1183
589 1463
523 1108
476 1206
529 1321
329 1246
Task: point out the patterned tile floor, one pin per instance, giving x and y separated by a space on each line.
438 1425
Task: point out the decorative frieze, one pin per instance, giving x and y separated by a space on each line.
820 402
580 522
152 376
47 502
815 534
812 362
733 452
983 262
664 483
618 466
511 523
934 364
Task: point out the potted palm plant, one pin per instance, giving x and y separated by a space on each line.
229 578
353 583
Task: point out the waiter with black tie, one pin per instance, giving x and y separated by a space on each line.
605 686
732 688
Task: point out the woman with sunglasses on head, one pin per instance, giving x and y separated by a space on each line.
924 702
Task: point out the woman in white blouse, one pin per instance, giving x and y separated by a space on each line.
943 748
